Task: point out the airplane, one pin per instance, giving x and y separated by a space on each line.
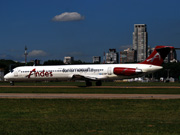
91 72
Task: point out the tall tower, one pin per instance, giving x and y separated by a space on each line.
140 41
25 53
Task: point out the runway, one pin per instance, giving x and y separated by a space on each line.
143 87
86 96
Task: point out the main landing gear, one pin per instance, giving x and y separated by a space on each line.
89 83
98 83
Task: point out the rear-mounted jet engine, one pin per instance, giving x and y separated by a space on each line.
126 71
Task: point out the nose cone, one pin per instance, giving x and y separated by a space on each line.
8 76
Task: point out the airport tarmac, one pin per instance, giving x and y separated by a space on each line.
143 87
86 96
89 96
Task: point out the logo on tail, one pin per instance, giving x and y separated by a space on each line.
158 55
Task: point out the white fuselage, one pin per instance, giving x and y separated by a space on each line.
66 72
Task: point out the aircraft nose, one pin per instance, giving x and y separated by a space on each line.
7 76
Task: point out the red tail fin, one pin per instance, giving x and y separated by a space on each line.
158 55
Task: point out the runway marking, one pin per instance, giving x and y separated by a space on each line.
87 96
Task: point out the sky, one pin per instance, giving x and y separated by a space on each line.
83 28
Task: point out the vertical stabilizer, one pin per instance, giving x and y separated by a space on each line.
158 55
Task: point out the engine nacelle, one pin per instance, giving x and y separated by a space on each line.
126 71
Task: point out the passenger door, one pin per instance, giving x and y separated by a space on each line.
109 70
15 73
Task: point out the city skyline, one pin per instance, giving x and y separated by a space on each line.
140 41
82 29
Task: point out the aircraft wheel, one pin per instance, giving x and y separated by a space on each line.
11 83
98 83
88 83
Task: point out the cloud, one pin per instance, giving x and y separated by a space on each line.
68 16
37 53
3 56
14 57
7 56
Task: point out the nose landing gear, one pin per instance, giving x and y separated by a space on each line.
12 83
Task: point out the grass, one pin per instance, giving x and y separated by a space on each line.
82 89
90 90
89 117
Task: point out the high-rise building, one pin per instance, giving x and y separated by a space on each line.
68 60
140 41
127 56
172 57
150 50
112 56
96 59
123 57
